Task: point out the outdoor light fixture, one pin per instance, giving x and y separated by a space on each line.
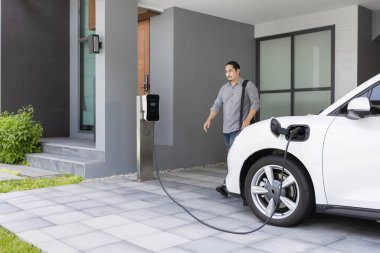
94 45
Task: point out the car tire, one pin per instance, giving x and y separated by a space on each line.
261 190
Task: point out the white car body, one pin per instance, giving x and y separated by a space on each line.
340 154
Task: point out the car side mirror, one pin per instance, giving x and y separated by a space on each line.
358 108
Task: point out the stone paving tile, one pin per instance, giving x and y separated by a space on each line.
56 246
173 250
89 240
166 222
137 204
50 210
352 245
199 214
168 209
317 235
85 204
23 199
277 244
102 210
140 215
34 236
247 240
131 230
26 225
13 195
35 204
119 247
226 223
69 199
7 208
193 231
21 215
106 221
67 217
159 241
211 244
247 250
128 216
98 194
67 230
326 250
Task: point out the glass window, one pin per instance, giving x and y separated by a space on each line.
87 73
312 60
274 105
311 102
275 64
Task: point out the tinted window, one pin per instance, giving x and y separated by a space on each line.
375 100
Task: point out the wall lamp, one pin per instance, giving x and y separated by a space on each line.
94 45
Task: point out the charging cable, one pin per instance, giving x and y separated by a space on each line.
293 133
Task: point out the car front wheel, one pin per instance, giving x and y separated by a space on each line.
262 188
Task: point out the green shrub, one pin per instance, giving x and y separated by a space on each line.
19 134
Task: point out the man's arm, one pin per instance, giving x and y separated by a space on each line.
216 107
248 119
210 118
254 100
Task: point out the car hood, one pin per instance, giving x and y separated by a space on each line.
259 135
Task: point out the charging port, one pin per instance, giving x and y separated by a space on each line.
303 132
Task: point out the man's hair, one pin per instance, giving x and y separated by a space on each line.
234 64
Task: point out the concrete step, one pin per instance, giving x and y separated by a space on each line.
86 168
72 150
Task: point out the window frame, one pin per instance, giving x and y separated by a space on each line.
292 89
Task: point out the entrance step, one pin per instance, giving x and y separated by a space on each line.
83 167
69 150
69 155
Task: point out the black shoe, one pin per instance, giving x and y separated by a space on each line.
222 190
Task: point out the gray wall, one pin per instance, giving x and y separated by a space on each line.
202 44
35 60
376 25
368 50
120 82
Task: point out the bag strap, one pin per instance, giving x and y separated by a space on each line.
242 102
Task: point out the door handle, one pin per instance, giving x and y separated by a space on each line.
146 83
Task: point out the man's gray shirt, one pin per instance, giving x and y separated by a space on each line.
229 99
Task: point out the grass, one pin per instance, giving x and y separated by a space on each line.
29 183
9 243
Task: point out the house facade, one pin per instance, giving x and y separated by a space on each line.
87 102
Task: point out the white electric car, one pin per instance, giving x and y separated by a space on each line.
333 167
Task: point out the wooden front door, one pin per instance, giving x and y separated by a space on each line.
143 57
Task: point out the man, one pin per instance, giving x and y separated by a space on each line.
229 99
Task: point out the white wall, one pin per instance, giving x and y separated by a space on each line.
346 40
74 73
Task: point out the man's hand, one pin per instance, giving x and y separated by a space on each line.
206 125
244 124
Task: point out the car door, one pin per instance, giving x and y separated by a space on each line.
351 158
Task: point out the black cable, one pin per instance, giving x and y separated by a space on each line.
292 134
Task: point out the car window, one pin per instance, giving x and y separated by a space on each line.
375 100
374 97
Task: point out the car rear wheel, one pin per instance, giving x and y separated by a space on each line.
262 188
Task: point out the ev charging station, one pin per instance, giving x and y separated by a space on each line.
147 114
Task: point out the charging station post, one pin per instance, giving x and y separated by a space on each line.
147 113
